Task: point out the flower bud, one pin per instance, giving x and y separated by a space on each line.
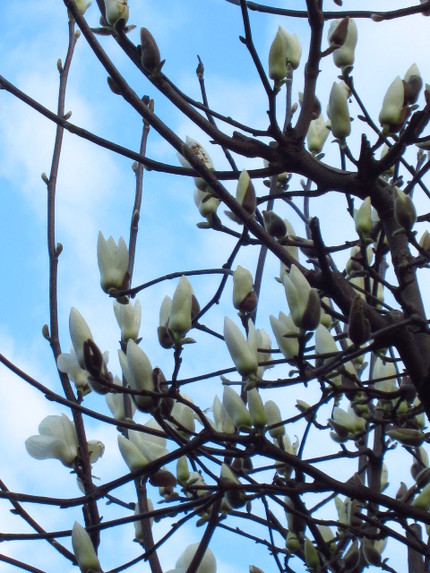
346 424
363 219
115 402
407 436
256 408
83 5
317 134
235 498
206 202
404 209
150 54
413 84
304 302
274 225
207 564
202 155
133 457
293 48
273 415
68 363
312 558
223 422
358 325
425 242
138 529
139 375
286 334
278 58
180 312
392 115
338 112
182 470
84 551
79 333
243 351
244 297
423 498
113 262
116 10
245 193
343 56
184 416
128 317
292 542
236 409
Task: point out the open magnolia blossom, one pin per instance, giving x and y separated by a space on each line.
57 439
207 564
68 363
140 448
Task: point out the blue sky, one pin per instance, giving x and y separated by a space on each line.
95 192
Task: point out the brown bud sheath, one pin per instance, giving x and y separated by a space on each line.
150 55
359 326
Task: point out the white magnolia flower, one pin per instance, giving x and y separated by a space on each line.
207 564
57 439
68 363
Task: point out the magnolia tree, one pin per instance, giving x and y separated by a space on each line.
308 439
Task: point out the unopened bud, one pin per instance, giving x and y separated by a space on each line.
404 208
150 54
